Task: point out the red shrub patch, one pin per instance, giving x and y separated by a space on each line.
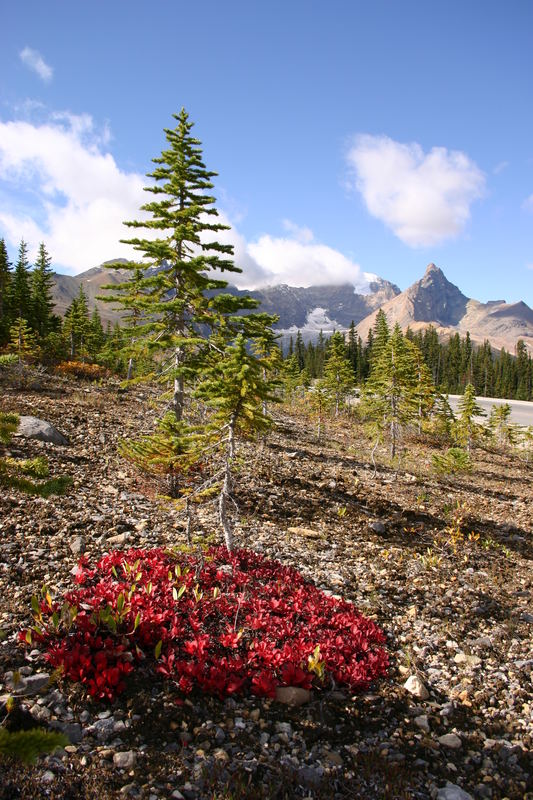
223 623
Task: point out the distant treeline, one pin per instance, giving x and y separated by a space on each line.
453 364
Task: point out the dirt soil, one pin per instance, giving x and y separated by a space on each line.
443 564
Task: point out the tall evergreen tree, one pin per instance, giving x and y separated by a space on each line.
20 297
42 305
467 427
76 325
380 337
424 392
353 351
22 341
5 282
389 399
131 297
299 350
523 372
235 388
338 372
180 297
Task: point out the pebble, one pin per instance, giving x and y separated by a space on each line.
292 695
453 792
450 740
422 722
414 686
125 760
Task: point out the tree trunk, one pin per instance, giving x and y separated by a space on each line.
225 492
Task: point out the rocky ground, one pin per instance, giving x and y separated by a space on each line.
442 564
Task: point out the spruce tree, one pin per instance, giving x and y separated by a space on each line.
467 427
5 282
95 335
299 350
424 392
234 387
76 325
380 336
181 299
353 352
338 372
22 341
130 295
389 399
500 424
20 297
42 305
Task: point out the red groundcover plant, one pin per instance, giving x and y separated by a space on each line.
220 622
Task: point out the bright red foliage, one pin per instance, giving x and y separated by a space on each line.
230 623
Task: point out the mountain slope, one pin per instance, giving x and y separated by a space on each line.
433 300
339 305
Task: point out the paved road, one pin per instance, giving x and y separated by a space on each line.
521 410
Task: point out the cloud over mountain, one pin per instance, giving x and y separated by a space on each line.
83 198
424 198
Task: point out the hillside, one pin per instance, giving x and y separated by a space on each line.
295 306
442 564
433 300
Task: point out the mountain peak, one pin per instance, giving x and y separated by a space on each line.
432 269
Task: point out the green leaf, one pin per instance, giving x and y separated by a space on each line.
157 649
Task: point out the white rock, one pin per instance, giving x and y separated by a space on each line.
414 686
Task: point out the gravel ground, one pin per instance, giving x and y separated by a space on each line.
442 564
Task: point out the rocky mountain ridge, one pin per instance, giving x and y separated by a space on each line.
433 300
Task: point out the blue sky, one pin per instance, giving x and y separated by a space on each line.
350 138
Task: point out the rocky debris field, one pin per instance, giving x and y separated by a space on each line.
442 564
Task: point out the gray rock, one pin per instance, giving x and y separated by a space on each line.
103 728
125 760
378 526
450 740
453 792
292 695
422 722
35 428
120 538
47 777
28 685
72 730
77 545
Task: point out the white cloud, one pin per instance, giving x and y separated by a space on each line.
424 198
500 167
303 235
59 184
79 195
528 203
34 60
304 263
